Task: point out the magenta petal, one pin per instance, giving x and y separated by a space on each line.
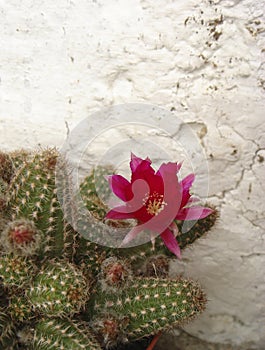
121 187
142 171
193 213
186 184
169 168
136 161
187 181
171 242
131 235
119 213
194 199
185 198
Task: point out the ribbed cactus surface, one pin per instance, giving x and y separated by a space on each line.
148 305
63 334
16 271
59 290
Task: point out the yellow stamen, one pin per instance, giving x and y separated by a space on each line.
155 204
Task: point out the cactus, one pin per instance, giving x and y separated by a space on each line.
6 167
51 334
32 195
16 271
146 306
95 191
59 290
19 308
8 340
191 231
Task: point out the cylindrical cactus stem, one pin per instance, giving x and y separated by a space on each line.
3 205
6 167
19 157
139 257
54 334
3 189
95 191
151 305
190 232
16 271
21 237
60 288
19 308
33 195
3 296
89 256
8 340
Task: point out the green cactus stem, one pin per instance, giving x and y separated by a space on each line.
33 195
19 308
16 271
60 288
149 305
95 191
3 189
56 287
3 205
197 230
8 339
6 167
89 257
19 157
54 334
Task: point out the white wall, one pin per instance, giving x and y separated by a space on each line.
62 60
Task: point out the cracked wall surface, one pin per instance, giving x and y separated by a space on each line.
204 60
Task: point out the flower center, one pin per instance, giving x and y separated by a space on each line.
154 204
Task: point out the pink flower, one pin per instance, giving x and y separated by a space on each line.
155 200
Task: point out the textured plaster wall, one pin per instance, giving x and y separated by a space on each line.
62 60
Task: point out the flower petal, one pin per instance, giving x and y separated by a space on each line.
131 235
121 187
169 167
136 161
166 180
193 213
187 181
171 242
143 171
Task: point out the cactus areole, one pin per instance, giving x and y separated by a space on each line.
59 290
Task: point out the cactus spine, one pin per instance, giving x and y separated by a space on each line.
8 339
149 305
51 334
61 291
58 289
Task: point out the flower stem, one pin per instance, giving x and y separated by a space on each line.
154 341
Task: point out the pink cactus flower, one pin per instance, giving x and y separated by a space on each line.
155 200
